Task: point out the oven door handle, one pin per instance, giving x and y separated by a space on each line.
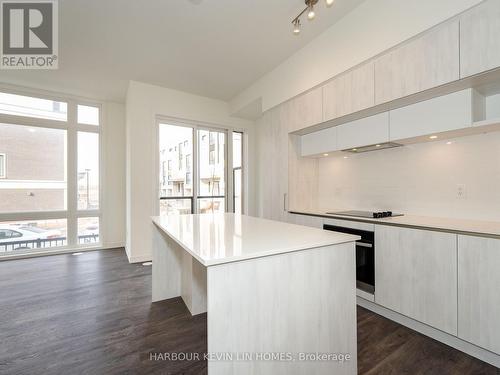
364 244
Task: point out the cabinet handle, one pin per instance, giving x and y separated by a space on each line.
285 208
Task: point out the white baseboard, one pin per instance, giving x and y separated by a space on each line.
453 341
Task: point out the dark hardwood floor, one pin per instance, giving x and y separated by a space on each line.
91 314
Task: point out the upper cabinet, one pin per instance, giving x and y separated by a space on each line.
423 63
305 110
480 39
444 113
350 92
366 131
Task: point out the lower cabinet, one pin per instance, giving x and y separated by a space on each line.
479 291
416 275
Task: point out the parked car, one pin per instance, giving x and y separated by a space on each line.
20 233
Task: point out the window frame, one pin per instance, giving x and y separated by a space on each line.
3 164
228 175
71 214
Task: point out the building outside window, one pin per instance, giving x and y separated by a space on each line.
39 208
207 193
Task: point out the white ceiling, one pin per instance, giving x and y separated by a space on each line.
214 48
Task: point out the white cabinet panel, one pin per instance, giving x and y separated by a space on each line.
319 142
448 112
416 275
363 132
479 291
349 92
305 110
307 220
423 63
480 39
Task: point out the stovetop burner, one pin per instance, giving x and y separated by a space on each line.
366 214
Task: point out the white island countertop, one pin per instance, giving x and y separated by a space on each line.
222 238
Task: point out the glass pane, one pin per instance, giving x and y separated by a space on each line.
211 205
33 234
88 230
34 169
237 149
237 192
176 161
88 115
19 105
211 148
175 206
88 171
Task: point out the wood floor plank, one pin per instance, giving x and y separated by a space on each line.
92 314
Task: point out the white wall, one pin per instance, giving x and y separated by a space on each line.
370 29
144 103
113 220
420 179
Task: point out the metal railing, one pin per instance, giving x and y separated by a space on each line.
44 243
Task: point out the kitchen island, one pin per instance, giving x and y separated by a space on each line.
280 298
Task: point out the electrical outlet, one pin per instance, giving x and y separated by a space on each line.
461 191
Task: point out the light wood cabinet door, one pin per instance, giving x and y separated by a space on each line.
305 110
416 275
420 64
264 134
480 39
479 291
272 163
349 92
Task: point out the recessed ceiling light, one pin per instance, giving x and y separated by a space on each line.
433 137
329 3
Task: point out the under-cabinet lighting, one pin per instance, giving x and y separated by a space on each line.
433 137
325 154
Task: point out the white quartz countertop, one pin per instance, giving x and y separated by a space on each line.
222 238
460 226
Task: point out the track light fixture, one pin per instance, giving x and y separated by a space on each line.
296 26
310 13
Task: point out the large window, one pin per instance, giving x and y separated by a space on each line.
49 173
238 172
196 177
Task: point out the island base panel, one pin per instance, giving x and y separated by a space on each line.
301 302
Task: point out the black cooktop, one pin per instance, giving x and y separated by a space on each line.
366 214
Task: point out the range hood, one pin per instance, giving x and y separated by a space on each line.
376 147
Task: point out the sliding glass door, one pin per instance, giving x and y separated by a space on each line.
193 170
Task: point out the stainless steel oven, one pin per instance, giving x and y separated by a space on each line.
365 257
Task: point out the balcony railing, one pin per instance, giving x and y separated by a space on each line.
44 243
